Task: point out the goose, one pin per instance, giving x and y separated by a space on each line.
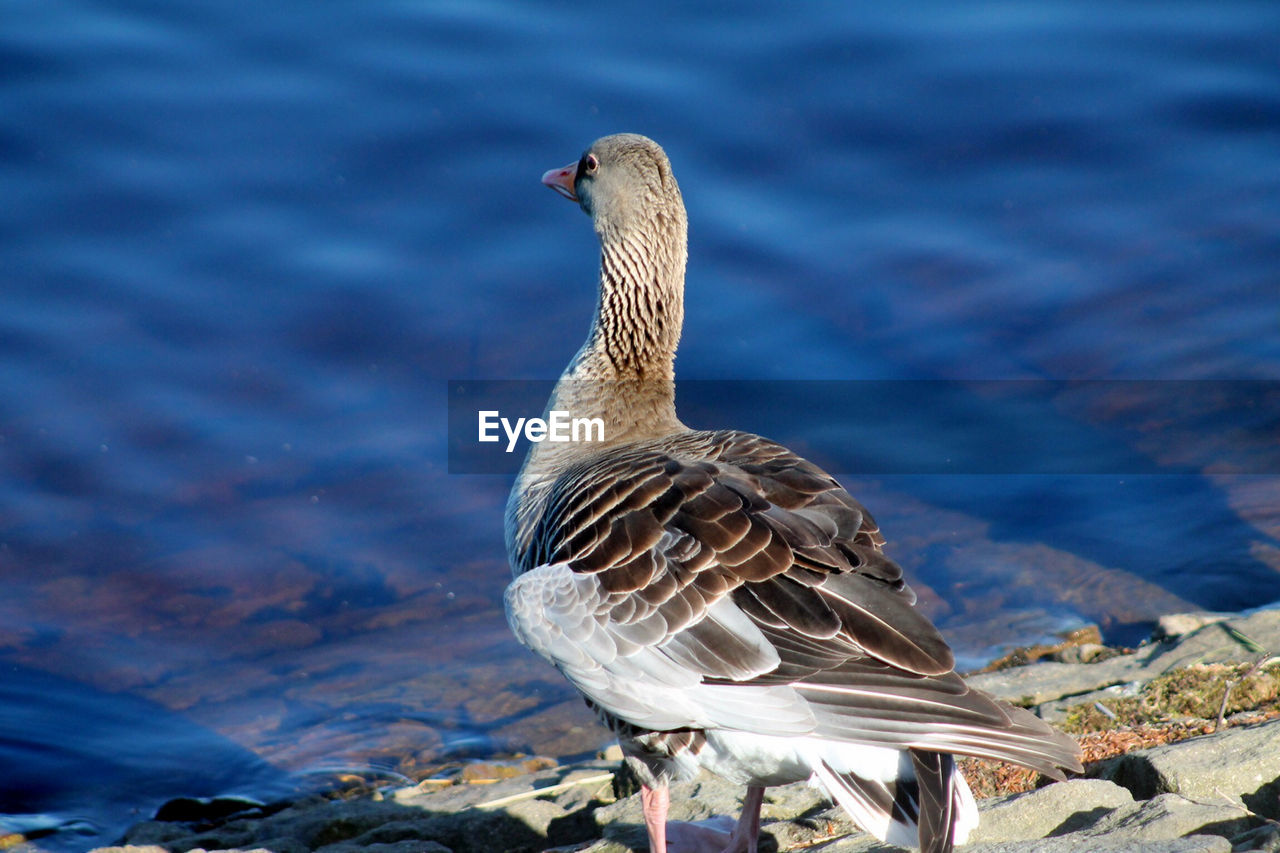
720 602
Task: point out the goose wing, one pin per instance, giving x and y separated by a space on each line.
717 580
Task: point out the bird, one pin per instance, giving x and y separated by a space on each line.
721 602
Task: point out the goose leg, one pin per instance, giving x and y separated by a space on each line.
654 803
746 835
716 835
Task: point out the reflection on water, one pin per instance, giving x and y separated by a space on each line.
247 250
136 753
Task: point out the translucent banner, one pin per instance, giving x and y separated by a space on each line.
1127 427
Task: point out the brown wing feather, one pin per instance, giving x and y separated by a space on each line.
673 526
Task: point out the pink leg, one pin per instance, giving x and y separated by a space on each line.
714 835
747 832
654 803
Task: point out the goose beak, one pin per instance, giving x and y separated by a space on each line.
561 180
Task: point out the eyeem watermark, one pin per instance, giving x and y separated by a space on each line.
930 427
558 426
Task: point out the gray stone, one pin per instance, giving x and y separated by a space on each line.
1170 816
1054 809
591 777
1175 625
1265 839
422 832
1224 641
1212 642
406 846
536 814
283 845
1050 680
604 845
152 834
1084 653
1073 844
1240 764
1057 710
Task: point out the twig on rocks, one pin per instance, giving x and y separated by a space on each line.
831 833
1243 639
1264 660
542 792
1237 804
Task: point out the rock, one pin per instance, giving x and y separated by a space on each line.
604 845
1169 816
1265 839
283 845
1050 680
1085 653
1072 844
487 771
1242 764
591 776
190 809
1085 636
1051 810
1056 711
1054 686
530 812
1176 625
149 834
1083 815
397 847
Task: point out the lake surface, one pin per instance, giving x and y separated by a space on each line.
246 249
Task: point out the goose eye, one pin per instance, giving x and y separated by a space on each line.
590 164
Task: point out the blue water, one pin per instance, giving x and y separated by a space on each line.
244 249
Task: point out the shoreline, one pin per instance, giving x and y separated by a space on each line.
1182 751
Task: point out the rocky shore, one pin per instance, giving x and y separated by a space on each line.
1181 739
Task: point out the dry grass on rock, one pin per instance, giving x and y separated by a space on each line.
1172 707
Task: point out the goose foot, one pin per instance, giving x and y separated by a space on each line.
714 835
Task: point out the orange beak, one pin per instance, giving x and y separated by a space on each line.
561 180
